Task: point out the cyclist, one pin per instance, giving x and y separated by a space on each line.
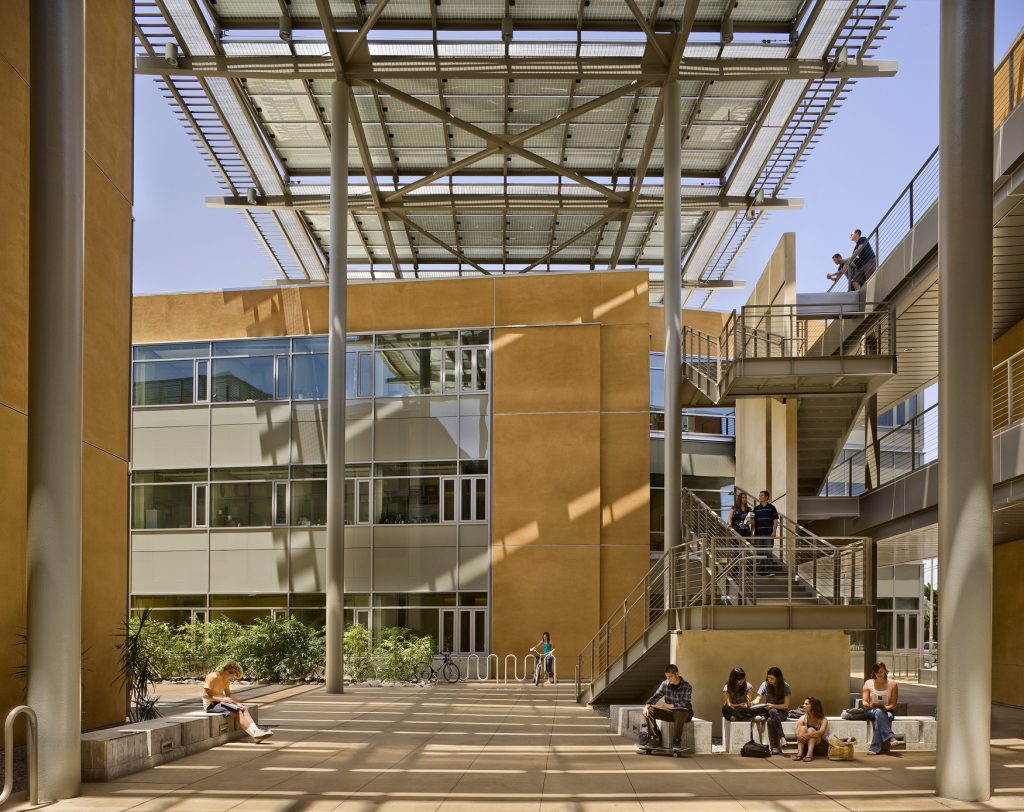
547 651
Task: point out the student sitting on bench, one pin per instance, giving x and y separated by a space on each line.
672 702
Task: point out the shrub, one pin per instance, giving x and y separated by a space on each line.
398 651
280 650
358 658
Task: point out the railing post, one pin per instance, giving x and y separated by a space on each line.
911 202
625 633
1009 390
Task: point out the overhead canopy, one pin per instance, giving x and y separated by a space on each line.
502 136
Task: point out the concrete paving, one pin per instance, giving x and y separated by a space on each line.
467 746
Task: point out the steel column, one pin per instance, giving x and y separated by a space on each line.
672 137
872 453
56 251
336 389
963 766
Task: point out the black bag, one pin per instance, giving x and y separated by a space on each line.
755 749
739 714
857 715
644 736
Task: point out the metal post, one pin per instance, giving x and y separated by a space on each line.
56 251
872 453
673 312
963 769
870 600
336 390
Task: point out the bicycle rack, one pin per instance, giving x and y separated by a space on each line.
32 741
515 668
487 662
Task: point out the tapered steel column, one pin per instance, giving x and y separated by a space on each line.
872 453
336 389
965 418
56 250
673 314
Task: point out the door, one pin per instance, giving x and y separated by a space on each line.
447 638
363 618
472 631
906 631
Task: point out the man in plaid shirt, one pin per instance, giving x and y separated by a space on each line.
672 702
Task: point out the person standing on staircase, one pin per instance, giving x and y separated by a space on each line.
766 530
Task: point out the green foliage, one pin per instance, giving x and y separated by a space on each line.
280 650
398 651
275 650
358 657
137 666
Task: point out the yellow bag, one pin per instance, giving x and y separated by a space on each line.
840 749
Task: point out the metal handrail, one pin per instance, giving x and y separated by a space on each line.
32 748
719 571
839 330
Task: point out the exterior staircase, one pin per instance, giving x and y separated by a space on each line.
709 581
829 354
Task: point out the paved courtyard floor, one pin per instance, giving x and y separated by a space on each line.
473 746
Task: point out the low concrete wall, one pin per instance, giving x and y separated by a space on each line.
113 752
625 720
815 663
916 732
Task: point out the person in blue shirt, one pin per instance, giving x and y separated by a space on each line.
547 651
672 702
861 262
766 529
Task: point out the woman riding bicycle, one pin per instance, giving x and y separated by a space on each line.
547 651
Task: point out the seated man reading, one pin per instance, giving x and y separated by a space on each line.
217 698
672 702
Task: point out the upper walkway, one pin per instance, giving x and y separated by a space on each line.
468 746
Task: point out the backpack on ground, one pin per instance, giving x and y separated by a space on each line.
755 749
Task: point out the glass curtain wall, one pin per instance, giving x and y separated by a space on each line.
426 395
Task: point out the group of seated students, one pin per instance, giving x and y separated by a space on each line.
879 696
672 701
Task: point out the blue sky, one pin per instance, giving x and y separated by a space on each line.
884 132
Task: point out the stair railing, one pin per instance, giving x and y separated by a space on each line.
731 556
833 568
32 747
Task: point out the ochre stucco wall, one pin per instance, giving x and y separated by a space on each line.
1007 632
106 349
814 663
570 474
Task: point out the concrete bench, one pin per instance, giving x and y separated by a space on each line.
626 719
113 752
736 734
915 732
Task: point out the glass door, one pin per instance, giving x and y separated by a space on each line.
447 636
472 631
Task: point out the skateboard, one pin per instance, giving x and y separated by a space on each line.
658 750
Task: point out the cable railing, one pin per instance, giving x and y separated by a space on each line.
923 190
712 422
760 332
915 443
720 571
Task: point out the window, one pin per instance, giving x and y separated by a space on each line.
281 503
162 506
309 377
237 503
160 383
202 383
448 494
243 379
474 369
309 502
402 372
412 500
362 501
281 376
199 502
474 499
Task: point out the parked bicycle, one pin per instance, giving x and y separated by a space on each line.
449 669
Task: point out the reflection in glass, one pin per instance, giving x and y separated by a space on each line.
158 383
252 346
408 372
161 506
309 377
241 504
153 352
416 500
243 379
